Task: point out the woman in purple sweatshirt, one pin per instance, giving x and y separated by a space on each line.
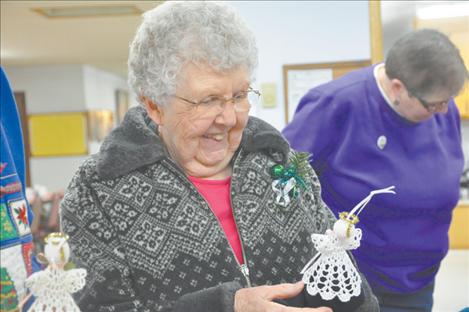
392 124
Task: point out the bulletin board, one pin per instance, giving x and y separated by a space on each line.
58 134
299 78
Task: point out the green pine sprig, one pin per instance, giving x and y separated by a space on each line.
300 161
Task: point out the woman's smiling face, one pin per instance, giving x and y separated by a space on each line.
199 139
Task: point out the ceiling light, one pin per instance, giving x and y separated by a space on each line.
87 11
443 11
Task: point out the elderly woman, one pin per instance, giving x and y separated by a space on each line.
176 212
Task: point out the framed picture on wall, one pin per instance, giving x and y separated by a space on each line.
100 123
122 105
299 78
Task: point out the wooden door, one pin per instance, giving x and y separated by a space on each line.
21 104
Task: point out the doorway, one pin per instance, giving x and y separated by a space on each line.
21 105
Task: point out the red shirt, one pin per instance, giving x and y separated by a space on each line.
217 194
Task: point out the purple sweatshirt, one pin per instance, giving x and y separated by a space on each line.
405 236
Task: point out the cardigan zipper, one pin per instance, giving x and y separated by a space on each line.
244 269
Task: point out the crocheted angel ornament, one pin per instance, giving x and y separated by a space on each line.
331 273
53 286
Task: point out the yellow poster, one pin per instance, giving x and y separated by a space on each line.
58 134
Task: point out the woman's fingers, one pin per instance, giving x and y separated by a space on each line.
259 299
283 291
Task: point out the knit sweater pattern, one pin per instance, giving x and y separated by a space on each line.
150 241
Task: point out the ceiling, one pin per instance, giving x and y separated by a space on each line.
29 38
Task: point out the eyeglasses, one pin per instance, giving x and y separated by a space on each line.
433 106
214 105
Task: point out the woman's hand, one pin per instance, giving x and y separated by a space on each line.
259 299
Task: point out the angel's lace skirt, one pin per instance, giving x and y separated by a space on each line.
53 288
333 274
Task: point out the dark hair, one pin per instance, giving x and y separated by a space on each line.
426 61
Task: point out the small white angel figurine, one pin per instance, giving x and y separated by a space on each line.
53 286
331 273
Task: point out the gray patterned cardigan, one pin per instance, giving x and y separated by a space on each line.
150 241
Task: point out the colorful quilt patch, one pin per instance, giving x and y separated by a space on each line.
8 230
27 256
11 259
19 213
8 295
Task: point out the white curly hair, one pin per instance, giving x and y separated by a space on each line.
175 33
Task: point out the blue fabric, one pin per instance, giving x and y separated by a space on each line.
16 244
11 123
405 236
11 149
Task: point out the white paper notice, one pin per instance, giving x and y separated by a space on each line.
300 81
